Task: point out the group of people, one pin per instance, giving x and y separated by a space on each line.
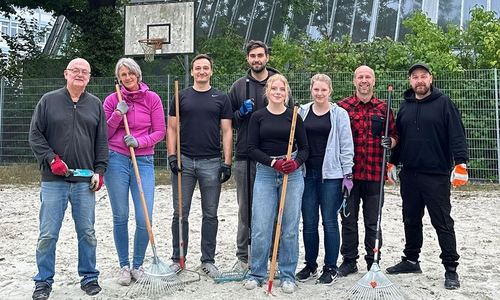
337 153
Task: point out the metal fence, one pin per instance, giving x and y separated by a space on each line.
474 91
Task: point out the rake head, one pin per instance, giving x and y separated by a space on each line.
231 276
374 286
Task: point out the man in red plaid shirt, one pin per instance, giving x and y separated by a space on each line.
367 115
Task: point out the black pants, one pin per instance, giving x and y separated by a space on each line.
432 190
368 191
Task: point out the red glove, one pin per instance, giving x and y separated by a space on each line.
278 165
290 166
459 176
95 182
58 167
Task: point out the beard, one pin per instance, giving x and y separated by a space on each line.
258 68
422 90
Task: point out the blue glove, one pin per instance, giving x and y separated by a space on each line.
246 107
131 141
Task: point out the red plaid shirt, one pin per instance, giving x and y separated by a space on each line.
367 125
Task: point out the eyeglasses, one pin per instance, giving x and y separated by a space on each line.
76 71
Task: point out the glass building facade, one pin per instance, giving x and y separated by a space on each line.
361 19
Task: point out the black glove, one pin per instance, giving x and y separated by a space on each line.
224 173
172 163
386 142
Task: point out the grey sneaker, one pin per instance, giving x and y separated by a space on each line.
240 265
124 276
42 291
210 270
250 284
403 267
175 267
137 273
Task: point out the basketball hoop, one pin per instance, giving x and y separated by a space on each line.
150 46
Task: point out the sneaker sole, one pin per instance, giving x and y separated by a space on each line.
403 272
313 276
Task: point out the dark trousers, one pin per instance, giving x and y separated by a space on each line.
419 190
368 191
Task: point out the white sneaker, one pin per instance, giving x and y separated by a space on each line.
124 276
175 267
137 273
288 287
250 284
210 270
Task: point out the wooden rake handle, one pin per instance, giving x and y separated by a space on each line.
179 174
282 204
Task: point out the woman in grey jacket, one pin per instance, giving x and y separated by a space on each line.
329 171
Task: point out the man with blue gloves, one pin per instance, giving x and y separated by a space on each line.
246 95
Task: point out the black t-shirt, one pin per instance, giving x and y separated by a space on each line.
317 129
269 135
200 115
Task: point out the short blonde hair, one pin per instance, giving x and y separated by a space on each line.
322 78
274 78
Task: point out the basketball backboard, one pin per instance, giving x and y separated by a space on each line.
174 23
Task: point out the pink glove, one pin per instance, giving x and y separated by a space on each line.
58 166
278 165
347 183
95 182
290 166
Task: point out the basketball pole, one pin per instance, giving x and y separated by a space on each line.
186 78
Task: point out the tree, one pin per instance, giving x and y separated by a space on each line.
98 28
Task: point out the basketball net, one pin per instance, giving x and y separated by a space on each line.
149 46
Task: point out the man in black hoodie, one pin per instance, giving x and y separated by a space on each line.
247 95
431 139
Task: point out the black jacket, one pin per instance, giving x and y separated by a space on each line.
76 131
237 94
431 134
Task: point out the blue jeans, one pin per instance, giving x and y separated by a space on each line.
266 198
206 173
119 179
54 198
324 194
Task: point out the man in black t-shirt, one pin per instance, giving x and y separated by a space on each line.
203 113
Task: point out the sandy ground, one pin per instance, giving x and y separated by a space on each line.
476 224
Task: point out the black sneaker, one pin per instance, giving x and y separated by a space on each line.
309 272
91 288
346 268
451 281
404 266
42 291
328 277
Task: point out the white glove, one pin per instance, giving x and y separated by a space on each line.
459 176
391 173
95 182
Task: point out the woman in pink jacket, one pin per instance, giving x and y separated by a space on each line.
146 120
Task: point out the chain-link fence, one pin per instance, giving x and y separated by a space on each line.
474 91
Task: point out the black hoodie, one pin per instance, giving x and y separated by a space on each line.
431 134
237 94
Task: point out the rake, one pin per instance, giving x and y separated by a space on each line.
375 285
281 206
157 279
